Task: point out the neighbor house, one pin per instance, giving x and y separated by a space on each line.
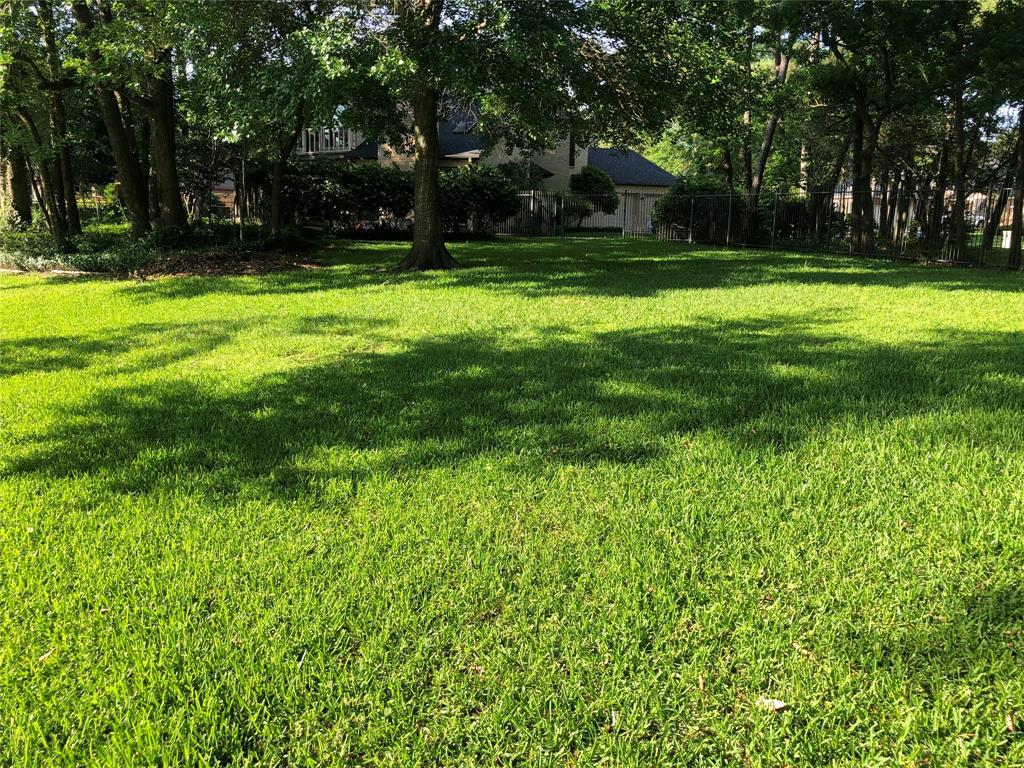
460 143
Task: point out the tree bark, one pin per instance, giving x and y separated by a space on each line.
883 200
1018 199
902 216
163 148
129 170
956 236
757 179
937 207
893 199
747 152
65 172
55 217
988 235
865 138
726 164
428 249
20 185
280 165
822 203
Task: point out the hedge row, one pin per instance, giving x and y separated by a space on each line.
367 195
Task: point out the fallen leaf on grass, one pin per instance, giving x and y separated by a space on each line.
772 705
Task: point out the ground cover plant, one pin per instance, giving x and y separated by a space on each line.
594 502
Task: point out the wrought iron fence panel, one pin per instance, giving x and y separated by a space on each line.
896 222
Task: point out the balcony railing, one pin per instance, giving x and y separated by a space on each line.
322 141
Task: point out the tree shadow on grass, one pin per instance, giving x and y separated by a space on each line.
139 347
591 268
618 397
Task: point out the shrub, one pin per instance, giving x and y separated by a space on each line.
576 208
699 206
349 193
478 196
100 248
473 197
597 187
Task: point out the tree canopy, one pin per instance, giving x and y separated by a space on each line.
166 98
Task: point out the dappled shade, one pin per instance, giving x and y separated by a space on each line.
603 510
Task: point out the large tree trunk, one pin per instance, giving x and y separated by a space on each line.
863 224
67 171
822 201
48 196
994 216
280 165
955 245
893 200
428 249
747 152
937 206
276 192
901 217
726 164
163 149
813 124
883 202
129 169
1018 200
757 179
19 183
64 171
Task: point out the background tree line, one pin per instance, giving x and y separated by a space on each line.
893 99
163 98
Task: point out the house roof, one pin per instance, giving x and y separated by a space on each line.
628 167
457 138
367 150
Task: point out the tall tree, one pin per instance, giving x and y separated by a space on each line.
109 84
533 70
256 81
58 81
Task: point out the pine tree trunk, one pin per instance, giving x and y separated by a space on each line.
48 199
1018 200
822 202
428 249
130 172
163 148
726 164
757 180
747 153
857 160
65 173
19 179
988 235
956 236
280 165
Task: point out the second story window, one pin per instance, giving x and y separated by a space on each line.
572 151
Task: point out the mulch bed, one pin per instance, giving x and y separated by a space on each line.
192 263
214 263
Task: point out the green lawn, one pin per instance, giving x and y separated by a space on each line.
584 503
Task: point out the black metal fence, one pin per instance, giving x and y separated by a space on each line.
905 224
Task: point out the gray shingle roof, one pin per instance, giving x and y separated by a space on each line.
451 142
367 150
628 167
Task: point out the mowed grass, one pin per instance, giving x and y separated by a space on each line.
585 503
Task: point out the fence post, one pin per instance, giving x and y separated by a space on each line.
561 213
775 216
984 226
622 207
691 219
728 223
